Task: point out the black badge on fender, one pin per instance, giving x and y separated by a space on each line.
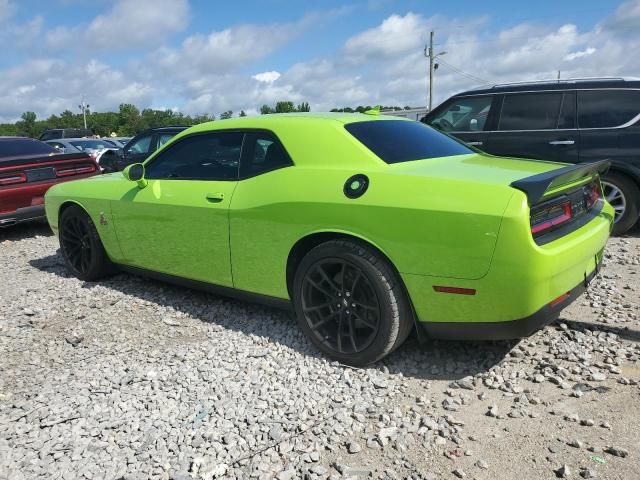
356 185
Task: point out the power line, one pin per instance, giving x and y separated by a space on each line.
463 73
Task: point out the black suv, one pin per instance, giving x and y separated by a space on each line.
55 133
138 148
570 121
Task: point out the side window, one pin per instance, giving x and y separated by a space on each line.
164 138
467 114
210 156
607 108
530 111
567 119
140 146
262 153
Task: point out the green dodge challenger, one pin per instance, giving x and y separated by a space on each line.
367 226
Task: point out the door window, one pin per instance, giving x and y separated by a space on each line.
530 111
468 114
607 108
211 156
164 138
263 152
141 145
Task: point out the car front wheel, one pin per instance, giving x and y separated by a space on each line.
81 246
623 195
350 302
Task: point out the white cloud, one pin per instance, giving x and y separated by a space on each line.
130 24
267 77
582 53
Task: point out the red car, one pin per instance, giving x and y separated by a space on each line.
28 168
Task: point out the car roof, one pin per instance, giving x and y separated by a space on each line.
269 120
568 84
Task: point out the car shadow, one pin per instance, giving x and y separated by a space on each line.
20 231
625 333
431 360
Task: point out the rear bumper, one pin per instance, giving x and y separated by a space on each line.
508 330
23 214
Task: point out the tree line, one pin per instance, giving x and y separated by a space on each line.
129 120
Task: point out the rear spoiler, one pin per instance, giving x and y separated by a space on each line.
536 186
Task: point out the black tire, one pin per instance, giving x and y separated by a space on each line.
350 265
81 246
630 196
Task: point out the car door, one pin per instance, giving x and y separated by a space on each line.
178 224
539 125
466 118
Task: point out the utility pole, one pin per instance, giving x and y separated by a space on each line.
84 107
428 52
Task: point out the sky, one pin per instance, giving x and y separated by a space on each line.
204 56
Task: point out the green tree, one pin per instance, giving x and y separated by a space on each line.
242 114
265 109
27 125
226 115
285 107
303 107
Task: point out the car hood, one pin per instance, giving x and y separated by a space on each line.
478 168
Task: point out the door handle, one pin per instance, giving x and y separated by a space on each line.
475 144
215 197
562 142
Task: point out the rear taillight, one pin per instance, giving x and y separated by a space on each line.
592 194
566 208
12 178
545 218
75 170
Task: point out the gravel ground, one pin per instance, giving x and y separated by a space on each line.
133 379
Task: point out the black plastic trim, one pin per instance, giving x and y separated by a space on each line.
536 185
23 214
363 185
281 303
508 330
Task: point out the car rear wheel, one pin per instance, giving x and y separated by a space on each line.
81 246
350 302
623 195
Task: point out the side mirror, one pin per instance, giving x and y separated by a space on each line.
135 173
120 152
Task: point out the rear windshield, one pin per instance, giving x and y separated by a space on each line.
396 141
23 146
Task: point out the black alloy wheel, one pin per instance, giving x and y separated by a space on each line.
81 246
340 305
350 302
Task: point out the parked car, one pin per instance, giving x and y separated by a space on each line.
95 147
139 148
572 121
357 220
120 141
53 133
28 168
88 145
